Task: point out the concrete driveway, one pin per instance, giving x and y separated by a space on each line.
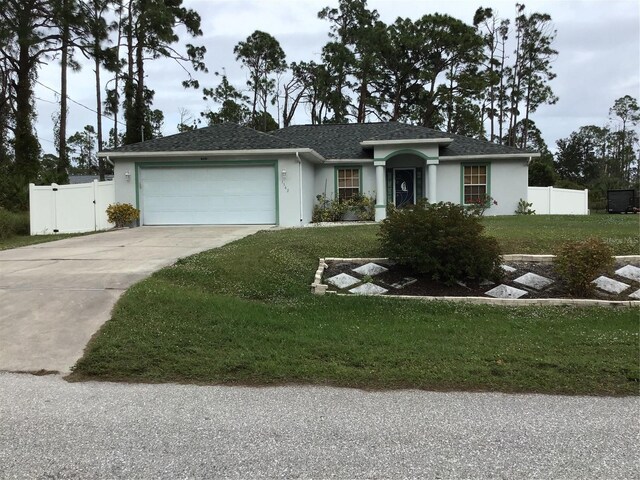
54 296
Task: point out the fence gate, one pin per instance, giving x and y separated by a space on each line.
70 208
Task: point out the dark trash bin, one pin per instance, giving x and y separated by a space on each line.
622 201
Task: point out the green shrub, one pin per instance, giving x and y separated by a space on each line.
524 208
12 224
327 210
578 263
443 241
122 214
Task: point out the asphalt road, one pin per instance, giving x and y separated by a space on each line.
53 429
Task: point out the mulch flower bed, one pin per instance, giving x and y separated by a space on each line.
419 285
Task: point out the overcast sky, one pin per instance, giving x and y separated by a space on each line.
598 43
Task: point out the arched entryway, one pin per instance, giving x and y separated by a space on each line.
403 178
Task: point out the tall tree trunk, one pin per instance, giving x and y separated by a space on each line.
139 103
117 81
26 145
525 126
362 103
99 114
5 108
129 89
501 99
450 101
515 86
492 88
63 161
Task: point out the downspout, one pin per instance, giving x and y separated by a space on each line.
300 186
109 161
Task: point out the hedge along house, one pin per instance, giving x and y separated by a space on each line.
230 174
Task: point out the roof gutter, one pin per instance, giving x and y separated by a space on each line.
312 154
490 156
414 141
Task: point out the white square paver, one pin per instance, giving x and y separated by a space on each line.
507 268
629 271
532 280
505 291
368 289
370 269
342 280
635 295
610 285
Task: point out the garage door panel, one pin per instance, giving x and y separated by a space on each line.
208 195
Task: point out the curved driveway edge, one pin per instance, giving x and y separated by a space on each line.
54 296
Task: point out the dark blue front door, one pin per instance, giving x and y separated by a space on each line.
404 183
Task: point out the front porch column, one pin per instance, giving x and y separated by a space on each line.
381 190
432 193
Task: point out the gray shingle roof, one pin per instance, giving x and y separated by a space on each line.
223 136
332 141
462 145
336 140
343 141
405 131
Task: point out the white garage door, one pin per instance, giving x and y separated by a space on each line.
208 195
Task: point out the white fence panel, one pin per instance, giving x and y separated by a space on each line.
558 201
70 208
105 196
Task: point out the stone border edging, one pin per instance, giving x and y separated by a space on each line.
526 257
319 288
338 224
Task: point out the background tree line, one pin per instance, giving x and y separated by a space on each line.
434 71
601 157
120 37
484 80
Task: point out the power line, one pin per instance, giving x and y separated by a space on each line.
78 103
44 100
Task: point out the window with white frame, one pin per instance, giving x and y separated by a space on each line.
475 183
348 183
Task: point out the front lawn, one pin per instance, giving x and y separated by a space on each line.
542 233
243 314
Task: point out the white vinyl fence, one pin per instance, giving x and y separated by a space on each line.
559 201
70 208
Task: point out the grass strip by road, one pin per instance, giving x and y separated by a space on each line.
17 241
242 314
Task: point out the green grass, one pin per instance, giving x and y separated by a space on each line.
543 233
16 241
14 231
243 314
